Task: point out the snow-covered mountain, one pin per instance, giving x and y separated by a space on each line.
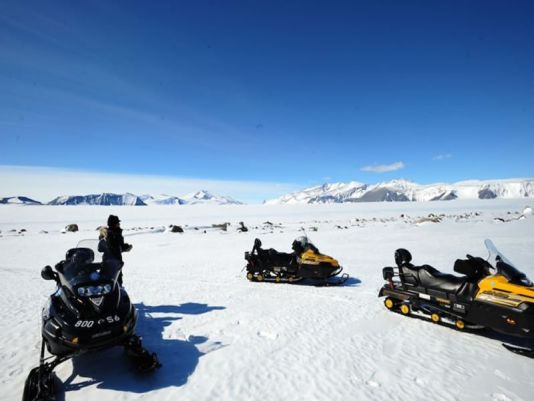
194 198
128 199
105 199
203 197
162 199
403 190
18 200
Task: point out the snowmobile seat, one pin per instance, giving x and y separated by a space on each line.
280 259
430 277
409 274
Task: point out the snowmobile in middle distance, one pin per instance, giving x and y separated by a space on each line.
306 262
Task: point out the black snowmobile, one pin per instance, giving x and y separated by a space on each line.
306 262
88 312
490 294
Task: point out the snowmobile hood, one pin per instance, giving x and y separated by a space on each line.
311 258
497 289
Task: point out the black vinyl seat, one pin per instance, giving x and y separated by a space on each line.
273 258
430 277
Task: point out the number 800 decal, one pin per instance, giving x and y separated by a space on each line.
89 323
84 323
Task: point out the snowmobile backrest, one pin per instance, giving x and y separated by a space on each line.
402 257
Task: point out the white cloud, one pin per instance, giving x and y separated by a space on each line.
45 183
444 156
383 168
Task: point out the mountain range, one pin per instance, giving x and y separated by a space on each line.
194 198
391 191
128 199
18 200
408 191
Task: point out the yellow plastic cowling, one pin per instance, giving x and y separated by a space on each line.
311 258
498 290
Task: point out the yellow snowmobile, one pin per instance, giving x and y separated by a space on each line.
305 262
491 293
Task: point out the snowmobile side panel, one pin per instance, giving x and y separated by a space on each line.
397 294
503 319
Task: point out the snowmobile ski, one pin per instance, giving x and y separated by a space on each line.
40 385
143 360
524 351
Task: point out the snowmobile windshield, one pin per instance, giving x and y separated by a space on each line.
307 244
504 266
84 265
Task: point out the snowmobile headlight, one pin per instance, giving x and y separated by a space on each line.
98 290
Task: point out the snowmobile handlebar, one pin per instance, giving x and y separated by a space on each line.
388 273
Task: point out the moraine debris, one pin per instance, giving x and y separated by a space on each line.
223 226
175 229
71 228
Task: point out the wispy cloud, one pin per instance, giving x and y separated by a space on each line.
383 168
45 183
444 156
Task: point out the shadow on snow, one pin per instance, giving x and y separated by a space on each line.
112 369
350 282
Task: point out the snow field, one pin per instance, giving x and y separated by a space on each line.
220 337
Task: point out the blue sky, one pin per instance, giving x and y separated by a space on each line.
290 93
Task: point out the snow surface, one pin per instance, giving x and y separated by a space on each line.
221 337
